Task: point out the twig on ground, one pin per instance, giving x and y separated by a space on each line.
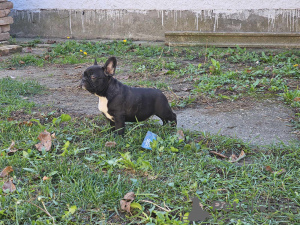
167 210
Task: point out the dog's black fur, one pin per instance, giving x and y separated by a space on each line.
124 103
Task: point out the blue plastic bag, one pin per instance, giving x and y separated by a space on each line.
147 140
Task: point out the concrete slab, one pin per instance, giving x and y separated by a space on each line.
232 39
9 49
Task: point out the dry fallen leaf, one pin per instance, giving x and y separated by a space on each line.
53 136
6 171
9 185
46 178
110 144
268 168
180 135
234 159
45 143
219 154
281 171
297 99
21 62
26 123
12 148
126 201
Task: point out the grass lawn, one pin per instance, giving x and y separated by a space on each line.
81 180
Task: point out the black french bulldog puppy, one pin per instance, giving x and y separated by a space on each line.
121 103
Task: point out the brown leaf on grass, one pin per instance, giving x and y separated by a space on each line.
233 157
281 171
9 185
180 135
219 154
11 68
47 57
6 171
268 168
21 62
53 136
46 178
26 123
12 148
110 144
45 143
297 99
126 201
77 67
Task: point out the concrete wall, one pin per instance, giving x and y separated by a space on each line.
148 20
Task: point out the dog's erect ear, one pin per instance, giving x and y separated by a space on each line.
110 66
95 63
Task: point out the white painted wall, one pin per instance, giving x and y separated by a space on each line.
193 5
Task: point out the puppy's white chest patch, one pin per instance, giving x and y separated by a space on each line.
102 106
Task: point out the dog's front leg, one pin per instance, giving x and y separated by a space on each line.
112 126
120 124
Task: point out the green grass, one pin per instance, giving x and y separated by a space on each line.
12 94
87 179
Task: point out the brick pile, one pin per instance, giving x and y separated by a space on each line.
5 20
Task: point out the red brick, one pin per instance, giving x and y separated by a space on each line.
4 36
4 28
6 20
6 5
4 12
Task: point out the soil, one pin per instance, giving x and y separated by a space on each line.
258 122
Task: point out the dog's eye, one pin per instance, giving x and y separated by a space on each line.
93 77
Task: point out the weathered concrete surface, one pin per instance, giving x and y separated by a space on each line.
219 39
263 123
155 4
148 24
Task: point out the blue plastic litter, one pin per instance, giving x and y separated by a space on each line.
147 140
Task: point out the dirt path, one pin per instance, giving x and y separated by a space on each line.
259 122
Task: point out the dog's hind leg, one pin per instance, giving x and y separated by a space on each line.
169 116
